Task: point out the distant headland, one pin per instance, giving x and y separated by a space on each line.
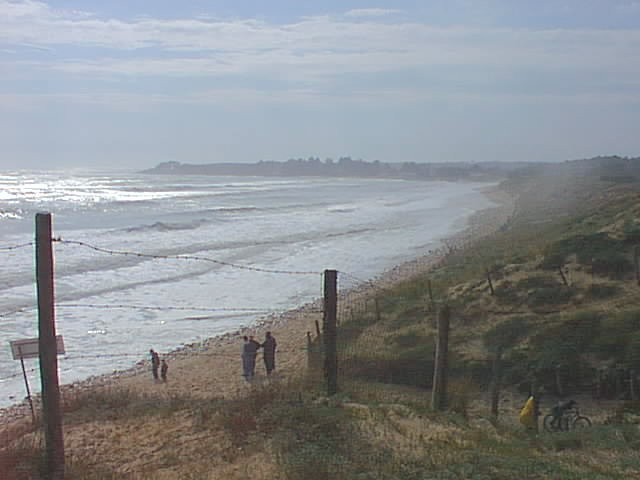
347 167
610 168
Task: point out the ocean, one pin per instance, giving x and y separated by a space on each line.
204 255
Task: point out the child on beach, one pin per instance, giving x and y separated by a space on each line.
163 370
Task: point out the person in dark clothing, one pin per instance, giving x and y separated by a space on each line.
269 352
558 411
163 370
246 371
155 363
249 353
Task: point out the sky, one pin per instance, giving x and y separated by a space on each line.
131 83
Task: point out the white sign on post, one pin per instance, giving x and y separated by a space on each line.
28 348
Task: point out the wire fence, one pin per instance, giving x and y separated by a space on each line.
142 355
16 247
182 257
361 304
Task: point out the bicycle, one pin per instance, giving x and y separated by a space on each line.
569 420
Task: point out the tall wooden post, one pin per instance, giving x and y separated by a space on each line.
430 291
636 262
490 282
600 387
48 349
619 374
564 279
377 305
329 330
496 372
309 352
440 372
559 387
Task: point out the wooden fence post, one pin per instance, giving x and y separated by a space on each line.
377 305
496 372
559 388
490 282
430 290
636 262
618 381
329 332
600 386
564 279
440 373
309 352
48 349
632 385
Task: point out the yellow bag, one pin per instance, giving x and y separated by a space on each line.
528 413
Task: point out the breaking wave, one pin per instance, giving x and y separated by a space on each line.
167 226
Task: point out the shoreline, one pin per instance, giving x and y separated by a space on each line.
218 358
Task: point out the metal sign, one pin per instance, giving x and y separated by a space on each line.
28 348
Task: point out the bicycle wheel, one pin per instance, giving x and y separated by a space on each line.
548 425
580 422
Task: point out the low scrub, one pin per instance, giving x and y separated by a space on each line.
538 282
409 367
614 339
550 296
613 265
240 417
631 231
119 403
507 293
565 344
601 291
585 247
461 392
23 459
507 334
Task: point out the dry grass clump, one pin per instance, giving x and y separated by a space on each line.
22 459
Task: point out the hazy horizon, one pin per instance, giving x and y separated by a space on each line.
90 84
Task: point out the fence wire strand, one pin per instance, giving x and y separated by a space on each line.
16 247
182 257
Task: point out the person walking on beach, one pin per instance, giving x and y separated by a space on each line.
269 352
163 370
155 363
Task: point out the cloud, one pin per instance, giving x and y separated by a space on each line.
305 59
371 12
629 8
314 43
363 98
370 48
